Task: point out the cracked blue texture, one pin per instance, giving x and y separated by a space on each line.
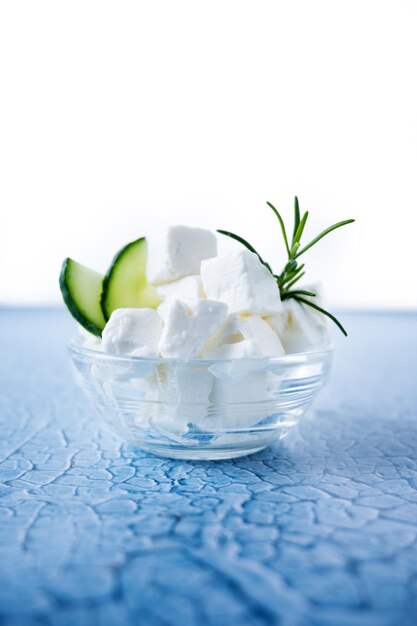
320 530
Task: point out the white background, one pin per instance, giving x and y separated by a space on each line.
119 117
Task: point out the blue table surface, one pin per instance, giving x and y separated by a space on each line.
320 530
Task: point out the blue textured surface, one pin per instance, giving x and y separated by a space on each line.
320 530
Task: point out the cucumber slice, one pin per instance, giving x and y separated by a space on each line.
81 290
125 284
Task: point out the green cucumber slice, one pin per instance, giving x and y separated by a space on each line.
81 289
125 283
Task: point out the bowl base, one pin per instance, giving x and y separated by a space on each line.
202 454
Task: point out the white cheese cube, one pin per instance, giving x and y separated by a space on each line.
238 402
302 332
300 327
244 349
244 336
187 289
247 388
163 308
318 299
178 252
253 327
229 333
133 331
190 287
241 281
278 322
188 326
184 391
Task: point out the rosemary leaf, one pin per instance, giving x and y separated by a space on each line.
323 234
291 266
281 222
291 275
296 217
300 229
246 244
292 282
294 248
297 292
318 308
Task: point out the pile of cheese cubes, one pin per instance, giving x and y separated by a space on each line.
213 307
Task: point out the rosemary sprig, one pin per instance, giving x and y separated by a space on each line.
292 271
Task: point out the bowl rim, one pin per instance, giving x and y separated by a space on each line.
327 350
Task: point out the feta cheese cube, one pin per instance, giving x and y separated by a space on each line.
253 327
243 336
184 391
241 281
240 389
239 402
317 288
227 334
318 299
300 327
188 326
187 289
164 307
133 331
244 349
178 252
190 287
302 332
279 321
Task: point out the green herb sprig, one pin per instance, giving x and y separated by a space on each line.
293 271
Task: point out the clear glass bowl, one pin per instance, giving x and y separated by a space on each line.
201 409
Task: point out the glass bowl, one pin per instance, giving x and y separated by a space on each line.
200 409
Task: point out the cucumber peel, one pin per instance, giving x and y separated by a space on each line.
81 289
124 284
